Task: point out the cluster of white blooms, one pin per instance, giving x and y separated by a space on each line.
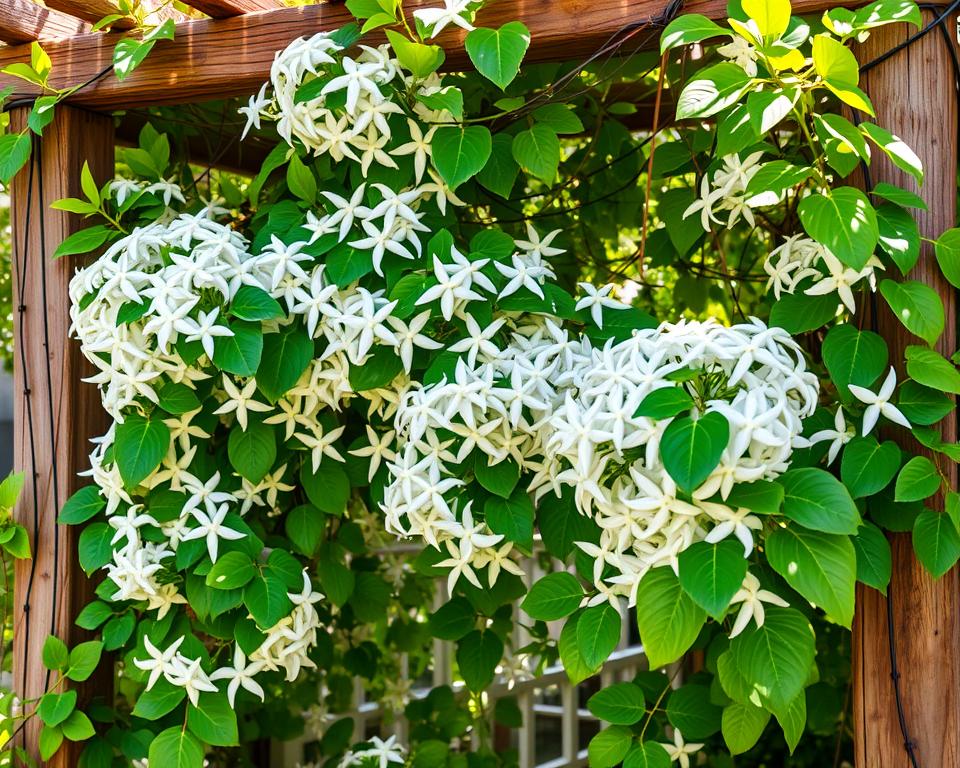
565 410
379 754
727 192
800 257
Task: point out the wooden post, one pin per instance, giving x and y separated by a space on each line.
55 413
914 96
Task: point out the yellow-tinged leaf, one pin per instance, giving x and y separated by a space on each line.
793 60
771 16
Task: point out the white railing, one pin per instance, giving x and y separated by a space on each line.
548 698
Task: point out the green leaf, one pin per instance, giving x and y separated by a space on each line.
239 354
54 654
419 58
838 67
160 700
691 448
742 725
252 303
378 370
513 517
84 659
497 53
774 660
83 505
917 305
618 704
689 28
853 356
712 573
460 153
668 618
285 358
328 489
609 747
664 403
478 654
93 615
936 542
690 710
647 755
874 561
449 99
500 172
252 451
266 599
844 221
922 405
499 478
867 467
176 747
118 630
947 249
141 443
304 526
453 619
77 727
598 632
84 241
561 525
300 180
736 130
10 489
214 720
570 653
54 708
896 149
763 497
712 90
919 479
820 566
773 179
555 596
793 720
817 500
94 546
231 571
799 313
899 196
336 579
899 236
562 118
537 151
177 399
929 368
14 153
50 741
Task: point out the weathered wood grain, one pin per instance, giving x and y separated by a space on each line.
914 96
61 413
217 58
89 10
223 9
22 21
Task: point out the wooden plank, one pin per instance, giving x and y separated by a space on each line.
22 21
55 413
224 9
90 10
218 58
913 100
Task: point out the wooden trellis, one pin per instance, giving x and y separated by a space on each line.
229 54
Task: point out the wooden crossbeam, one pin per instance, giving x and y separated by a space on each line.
90 10
22 21
223 9
219 58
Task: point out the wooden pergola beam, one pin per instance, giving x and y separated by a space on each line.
914 98
55 413
90 10
220 58
224 9
22 21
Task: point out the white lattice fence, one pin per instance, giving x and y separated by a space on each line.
556 723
